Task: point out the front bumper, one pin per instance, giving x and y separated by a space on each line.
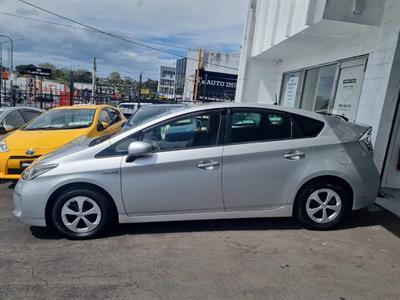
13 163
30 199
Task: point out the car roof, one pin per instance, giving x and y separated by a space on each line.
165 105
83 106
5 110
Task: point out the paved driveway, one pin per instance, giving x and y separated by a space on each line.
230 259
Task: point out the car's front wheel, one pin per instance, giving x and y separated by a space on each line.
322 205
81 213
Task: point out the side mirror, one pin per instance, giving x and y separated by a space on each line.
105 125
137 149
102 125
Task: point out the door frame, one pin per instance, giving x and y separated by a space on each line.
395 127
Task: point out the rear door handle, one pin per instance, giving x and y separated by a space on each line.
296 155
208 165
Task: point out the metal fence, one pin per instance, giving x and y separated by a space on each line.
48 101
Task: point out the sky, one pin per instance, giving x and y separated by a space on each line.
212 24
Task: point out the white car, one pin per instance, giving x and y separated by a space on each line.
129 108
233 161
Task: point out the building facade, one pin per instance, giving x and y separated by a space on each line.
180 77
166 84
217 75
340 57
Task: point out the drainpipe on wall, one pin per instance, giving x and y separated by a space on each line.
247 47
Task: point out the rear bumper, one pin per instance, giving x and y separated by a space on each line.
366 190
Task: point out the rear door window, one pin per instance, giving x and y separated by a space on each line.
248 126
307 127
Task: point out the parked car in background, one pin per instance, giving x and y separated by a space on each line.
239 161
12 118
129 108
53 129
146 113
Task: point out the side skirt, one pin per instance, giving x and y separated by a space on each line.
283 211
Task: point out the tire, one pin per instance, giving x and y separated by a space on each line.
322 205
81 214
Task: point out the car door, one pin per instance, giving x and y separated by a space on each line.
261 161
183 174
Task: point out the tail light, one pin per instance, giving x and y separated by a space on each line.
365 141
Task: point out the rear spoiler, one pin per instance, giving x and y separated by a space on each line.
334 115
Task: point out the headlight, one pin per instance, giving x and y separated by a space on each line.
36 170
3 146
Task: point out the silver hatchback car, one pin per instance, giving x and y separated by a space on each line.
215 161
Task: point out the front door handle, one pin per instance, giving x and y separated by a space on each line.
208 165
296 155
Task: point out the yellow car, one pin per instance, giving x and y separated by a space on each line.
52 130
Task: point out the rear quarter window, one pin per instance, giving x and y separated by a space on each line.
307 127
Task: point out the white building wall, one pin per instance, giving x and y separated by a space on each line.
382 81
261 72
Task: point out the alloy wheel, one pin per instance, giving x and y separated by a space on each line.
323 205
81 214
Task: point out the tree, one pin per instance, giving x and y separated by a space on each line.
51 67
151 84
82 75
21 68
114 77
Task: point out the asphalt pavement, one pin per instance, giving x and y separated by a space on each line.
228 259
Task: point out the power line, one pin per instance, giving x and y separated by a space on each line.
86 29
117 36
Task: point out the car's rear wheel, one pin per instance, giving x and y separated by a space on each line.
81 214
322 204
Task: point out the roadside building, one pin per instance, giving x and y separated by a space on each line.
217 73
180 77
166 84
340 57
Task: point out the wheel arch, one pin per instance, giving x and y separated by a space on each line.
330 178
78 185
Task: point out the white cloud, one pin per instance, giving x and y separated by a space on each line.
215 24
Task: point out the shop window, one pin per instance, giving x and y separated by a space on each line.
318 87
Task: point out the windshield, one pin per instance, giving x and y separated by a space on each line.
62 119
148 113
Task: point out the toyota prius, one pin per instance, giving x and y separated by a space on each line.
216 161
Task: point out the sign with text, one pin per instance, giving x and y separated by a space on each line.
289 97
215 86
31 88
36 72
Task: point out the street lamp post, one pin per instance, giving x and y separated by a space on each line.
11 66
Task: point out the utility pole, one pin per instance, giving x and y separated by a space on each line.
71 87
11 66
94 80
140 88
196 81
